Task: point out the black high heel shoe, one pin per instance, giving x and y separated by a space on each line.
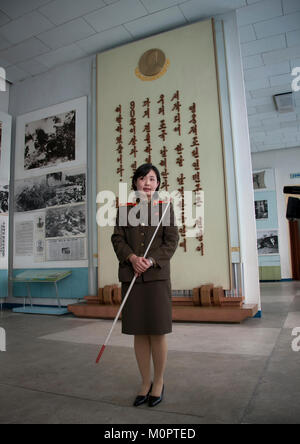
140 399
154 400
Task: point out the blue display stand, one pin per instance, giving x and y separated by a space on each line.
41 310
41 276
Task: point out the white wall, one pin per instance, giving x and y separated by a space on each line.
285 162
4 99
60 84
4 180
242 160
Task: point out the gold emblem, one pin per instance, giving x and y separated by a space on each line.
152 65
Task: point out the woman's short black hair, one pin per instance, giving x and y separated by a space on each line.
142 171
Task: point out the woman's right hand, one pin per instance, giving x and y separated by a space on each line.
140 264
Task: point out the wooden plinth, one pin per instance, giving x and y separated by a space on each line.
207 304
214 314
179 313
84 310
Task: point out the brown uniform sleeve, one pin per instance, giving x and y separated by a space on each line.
128 257
118 239
170 242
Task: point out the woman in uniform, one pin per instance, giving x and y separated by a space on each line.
147 313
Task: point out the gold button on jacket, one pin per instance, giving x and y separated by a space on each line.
127 239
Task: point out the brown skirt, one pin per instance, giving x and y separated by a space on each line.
148 309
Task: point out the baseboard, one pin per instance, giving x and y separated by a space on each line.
42 310
11 305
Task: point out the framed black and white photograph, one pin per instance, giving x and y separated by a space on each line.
267 242
51 137
259 180
4 199
50 190
264 180
31 194
66 221
66 188
261 209
50 141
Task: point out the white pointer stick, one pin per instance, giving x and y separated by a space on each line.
129 289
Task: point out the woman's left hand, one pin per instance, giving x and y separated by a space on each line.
143 264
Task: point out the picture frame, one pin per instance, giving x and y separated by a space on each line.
267 242
265 203
264 179
51 138
50 186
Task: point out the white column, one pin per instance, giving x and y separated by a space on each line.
242 159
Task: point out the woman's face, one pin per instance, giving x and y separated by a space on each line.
147 184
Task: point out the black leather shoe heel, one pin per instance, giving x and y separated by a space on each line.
154 400
139 400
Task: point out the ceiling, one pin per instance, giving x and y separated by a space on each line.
37 35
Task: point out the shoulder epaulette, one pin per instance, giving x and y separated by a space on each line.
128 204
157 202
133 204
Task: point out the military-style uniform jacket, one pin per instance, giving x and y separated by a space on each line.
133 237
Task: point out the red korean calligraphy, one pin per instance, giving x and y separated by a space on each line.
132 130
199 224
162 134
147 129
162 130
176 108
195 146
179 150
196 166
164 173
119 141
182 230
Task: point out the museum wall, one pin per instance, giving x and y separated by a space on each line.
4 99
77 80
59 92
5 133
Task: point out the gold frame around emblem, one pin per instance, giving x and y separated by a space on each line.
152 65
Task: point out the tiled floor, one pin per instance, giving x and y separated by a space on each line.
216 373
197 338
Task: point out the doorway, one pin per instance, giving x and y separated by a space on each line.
294 228
295 248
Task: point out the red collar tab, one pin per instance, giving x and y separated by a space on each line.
133 204
128 204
